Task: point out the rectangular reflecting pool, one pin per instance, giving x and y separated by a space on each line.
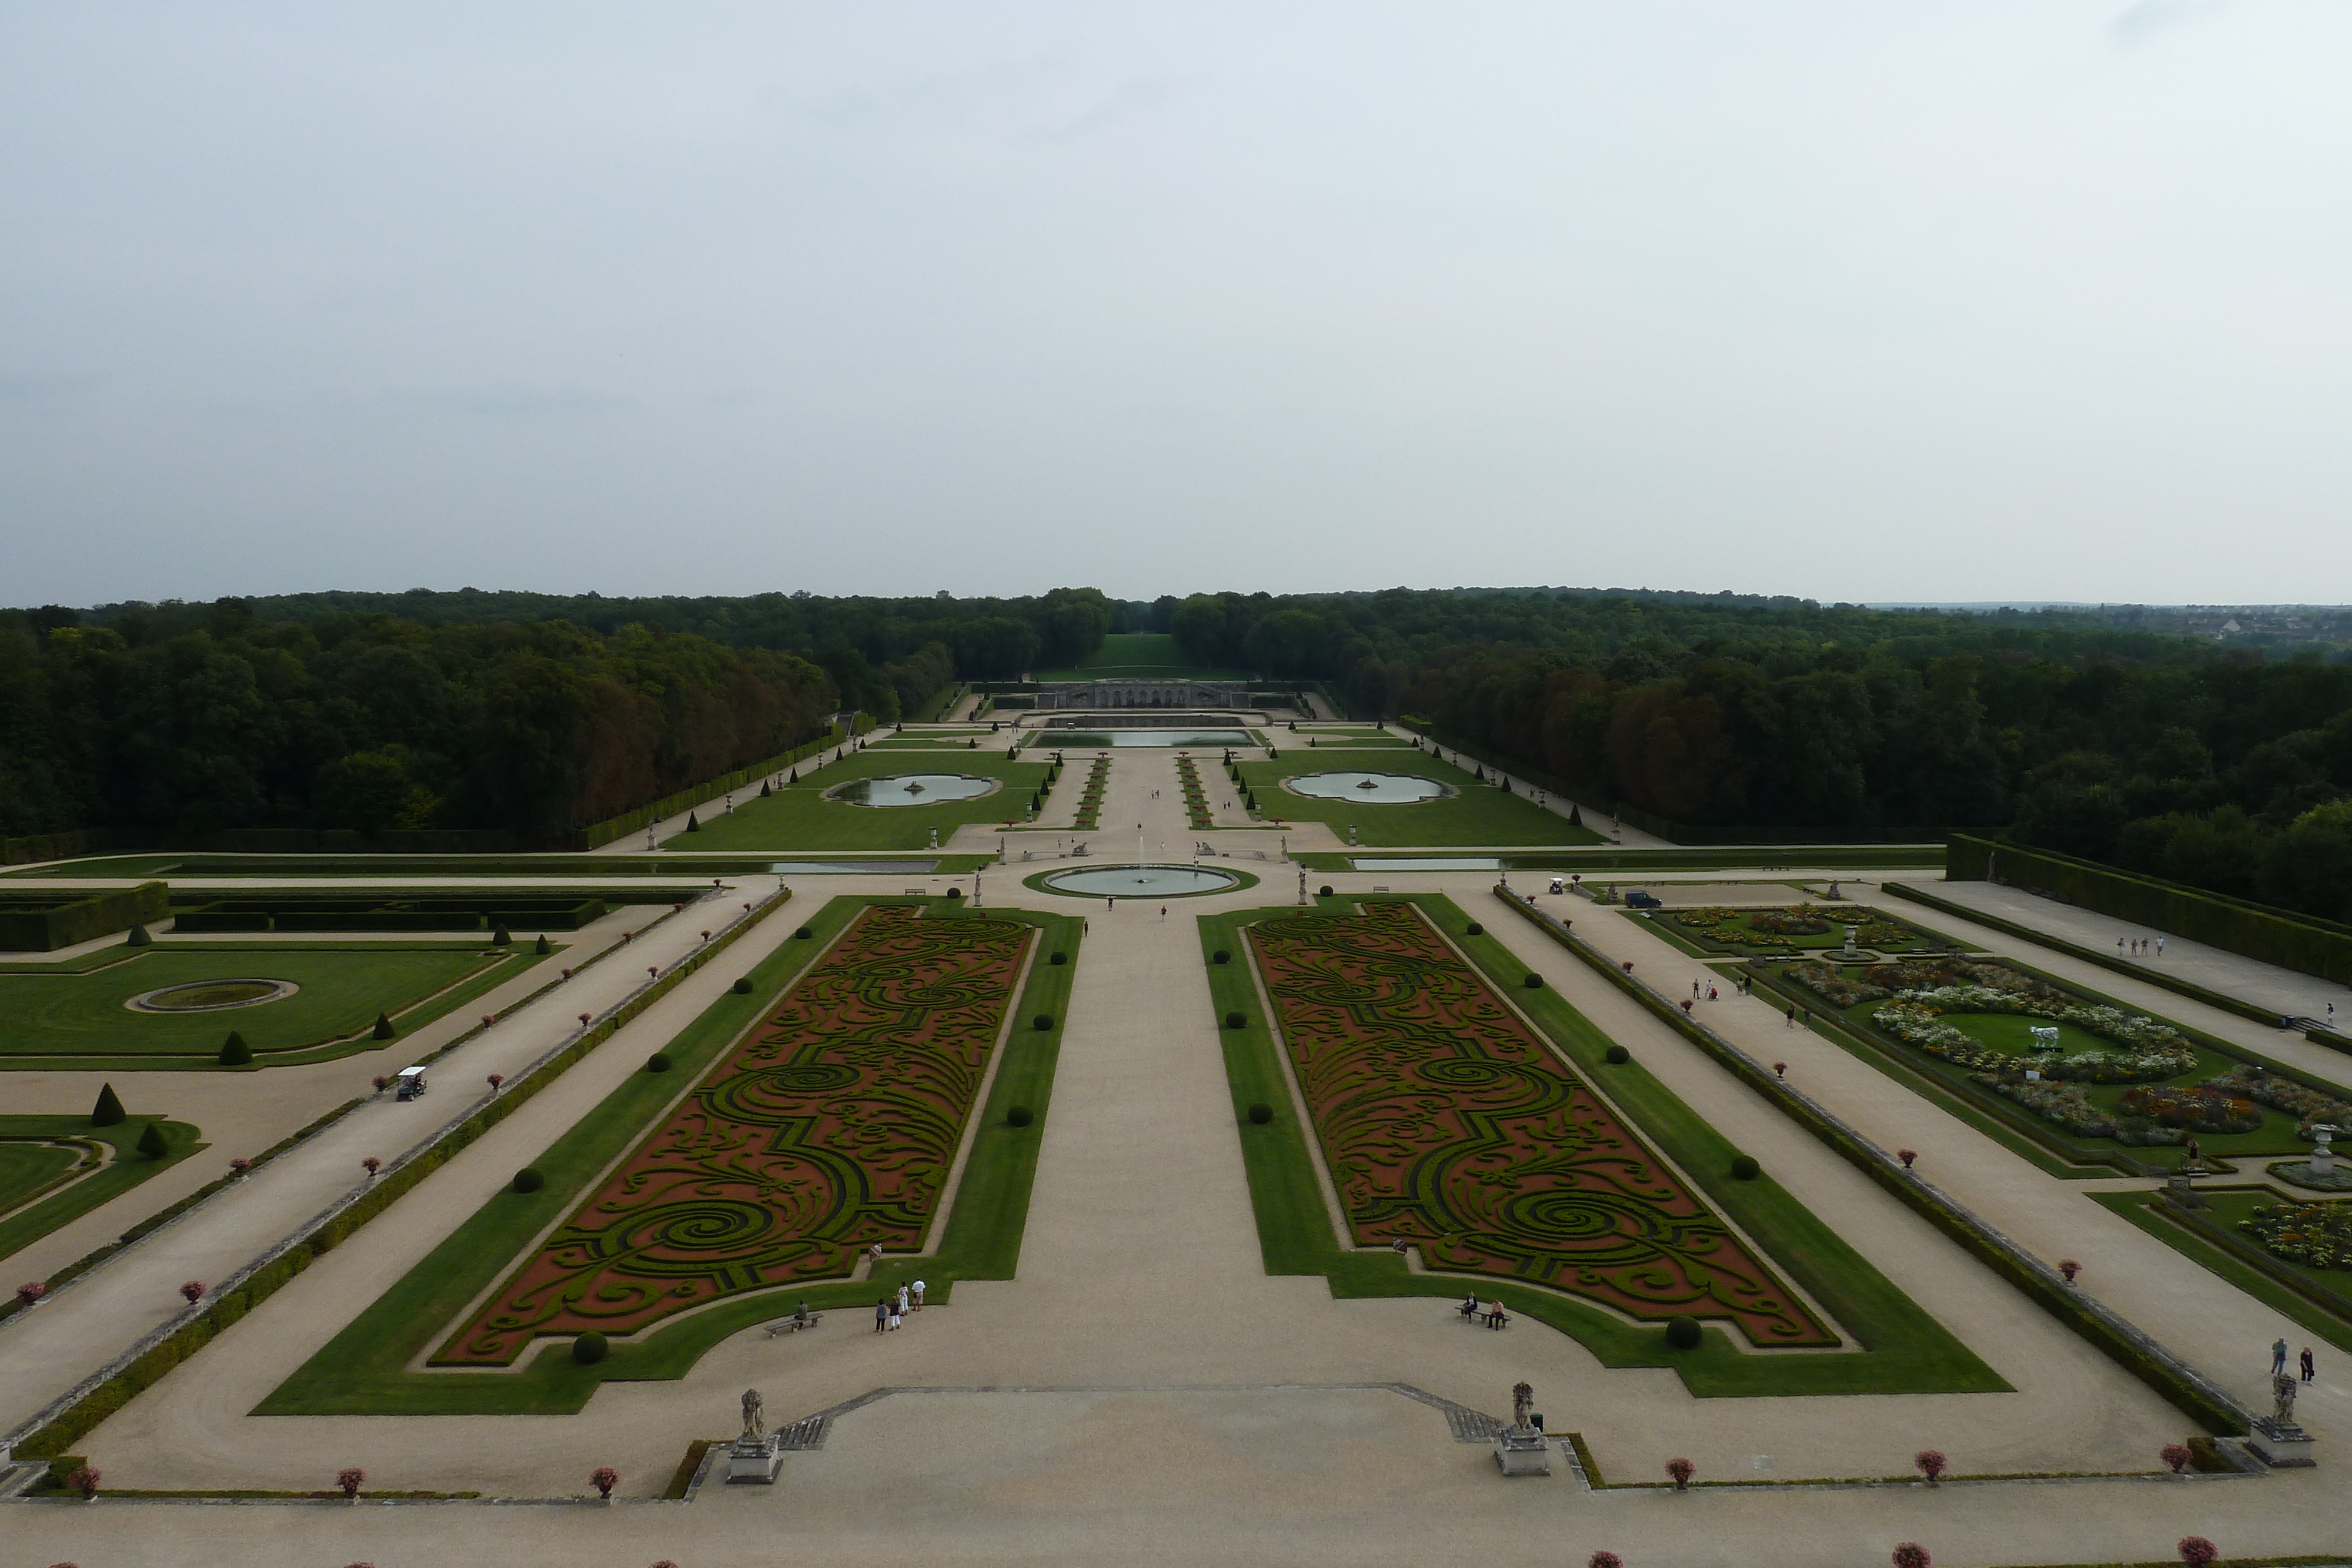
1427 862
1096 739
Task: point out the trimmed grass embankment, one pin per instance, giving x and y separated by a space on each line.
362 1370
28 1168
74 1016
1904 1349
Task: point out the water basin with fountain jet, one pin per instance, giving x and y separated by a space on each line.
1138 881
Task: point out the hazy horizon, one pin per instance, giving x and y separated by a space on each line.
1942 305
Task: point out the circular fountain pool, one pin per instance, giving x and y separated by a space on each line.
1376 788
1140 881
912 789
210 996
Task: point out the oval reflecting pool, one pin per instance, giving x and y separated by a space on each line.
1140 881
1378 788
912 789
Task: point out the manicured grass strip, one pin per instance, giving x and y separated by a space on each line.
128 1169
1476 814
77 1020
2151 1214
1906 1350
360 1371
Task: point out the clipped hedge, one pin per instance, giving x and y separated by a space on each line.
81 1415
2302 943
2171 1378
45 924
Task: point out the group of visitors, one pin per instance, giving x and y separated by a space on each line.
2139 946
1492 1313
892 1310
2308 1368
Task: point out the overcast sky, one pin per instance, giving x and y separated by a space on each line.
1946 300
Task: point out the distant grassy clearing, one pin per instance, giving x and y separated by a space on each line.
1474 814
800 817
1139 655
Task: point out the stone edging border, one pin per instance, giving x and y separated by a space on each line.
97 1396
2130 1347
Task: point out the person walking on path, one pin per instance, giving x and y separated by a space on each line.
1792 1016
2278 1359
2159 947
2310 1368
1163 913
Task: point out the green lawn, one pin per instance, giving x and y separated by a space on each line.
1475 814
1140 655
77 1018
27 1165
1905 1350
363 1371
799 817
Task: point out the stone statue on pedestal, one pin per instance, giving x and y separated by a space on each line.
754 1416
2276 1439
2283 1388
1520 1450
756 1456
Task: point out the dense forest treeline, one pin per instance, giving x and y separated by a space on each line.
2080 731
223 721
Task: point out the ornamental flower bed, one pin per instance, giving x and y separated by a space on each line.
2309 1107
1830 981
1915 1025
2315 1235
2193 1110
2067 1104
827 1129
1802 921
1448 1124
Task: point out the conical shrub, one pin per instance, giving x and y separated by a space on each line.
766 790
1575 815
151 1143
502 937
383 1029
543 946
692 824
108 1111
234 1051
138 937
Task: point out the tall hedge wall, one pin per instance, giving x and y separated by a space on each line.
46 927
2300 942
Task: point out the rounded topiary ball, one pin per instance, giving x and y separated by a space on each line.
1059 958
955 893
528 1180
1019 1116
658 1062
1325 890
803 933
590 1348
1220 957
1474 929
1043 1020
1746 1169
743 987
1535 982
1617 1056
1235 1021
1682 1332
1260 1113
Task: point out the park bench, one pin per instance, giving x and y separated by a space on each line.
803 1319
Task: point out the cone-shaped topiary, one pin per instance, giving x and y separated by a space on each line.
234 1051
151 1143
383 1029
692 826
766 788
109 1110
543 946
793 777
138 937
502 937
1575 815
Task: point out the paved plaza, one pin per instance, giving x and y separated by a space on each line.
1143 1390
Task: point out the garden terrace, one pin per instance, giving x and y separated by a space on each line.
76 1015
831 1128
1891 1345
365 1369
1472 812
2119 1087
1446 1122
806 816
